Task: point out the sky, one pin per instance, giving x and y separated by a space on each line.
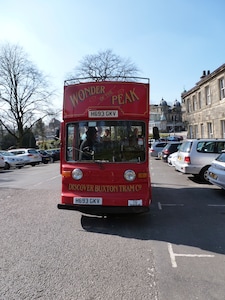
170 41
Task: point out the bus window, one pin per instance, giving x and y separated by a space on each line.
122 141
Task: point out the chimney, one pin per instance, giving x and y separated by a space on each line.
208 72
203 74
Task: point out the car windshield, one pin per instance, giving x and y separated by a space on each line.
106 141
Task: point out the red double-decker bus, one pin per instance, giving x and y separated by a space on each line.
104 147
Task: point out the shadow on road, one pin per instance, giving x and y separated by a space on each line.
181 219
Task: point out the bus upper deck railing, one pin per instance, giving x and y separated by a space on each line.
108 78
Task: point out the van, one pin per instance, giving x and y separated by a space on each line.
196 155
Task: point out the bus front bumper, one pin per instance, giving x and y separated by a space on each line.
105 210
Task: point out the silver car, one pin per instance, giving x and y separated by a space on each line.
196 155
216 172
11 160
2 162
156 148
30 155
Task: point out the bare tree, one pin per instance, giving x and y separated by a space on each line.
25 92
105 65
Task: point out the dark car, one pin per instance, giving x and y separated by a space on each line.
170 148
46 158
54 154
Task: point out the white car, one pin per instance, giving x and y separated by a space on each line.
11 160
2 162
216 172
30 155
172 159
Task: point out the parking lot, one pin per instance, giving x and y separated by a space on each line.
174 252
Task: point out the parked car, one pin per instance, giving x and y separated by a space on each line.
2 161
46 157
157 147
54 153
172 159
170 148
57 153
152 141
30 155
216 172
196 155
175 138
11 160
160 155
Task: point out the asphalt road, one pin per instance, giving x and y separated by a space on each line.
174 252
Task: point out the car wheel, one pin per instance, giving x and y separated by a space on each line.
33 164
203 174
7 166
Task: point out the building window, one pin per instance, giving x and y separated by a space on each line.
222 88
194 103
209 130
223 128
207 95
190 130
199 100
196 131
188 105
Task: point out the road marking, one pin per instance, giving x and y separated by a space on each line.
216 205
173 255
168 204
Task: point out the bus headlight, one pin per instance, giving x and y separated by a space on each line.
77 174
129 175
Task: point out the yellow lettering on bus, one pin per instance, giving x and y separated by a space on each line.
83 94
134 95
74 100
123 99
105 188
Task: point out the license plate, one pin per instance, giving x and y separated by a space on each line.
87 200
135 202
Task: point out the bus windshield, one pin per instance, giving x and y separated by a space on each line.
106 141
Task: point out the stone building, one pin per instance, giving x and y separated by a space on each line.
203 106
167 118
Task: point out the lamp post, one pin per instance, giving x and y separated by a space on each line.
174 126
